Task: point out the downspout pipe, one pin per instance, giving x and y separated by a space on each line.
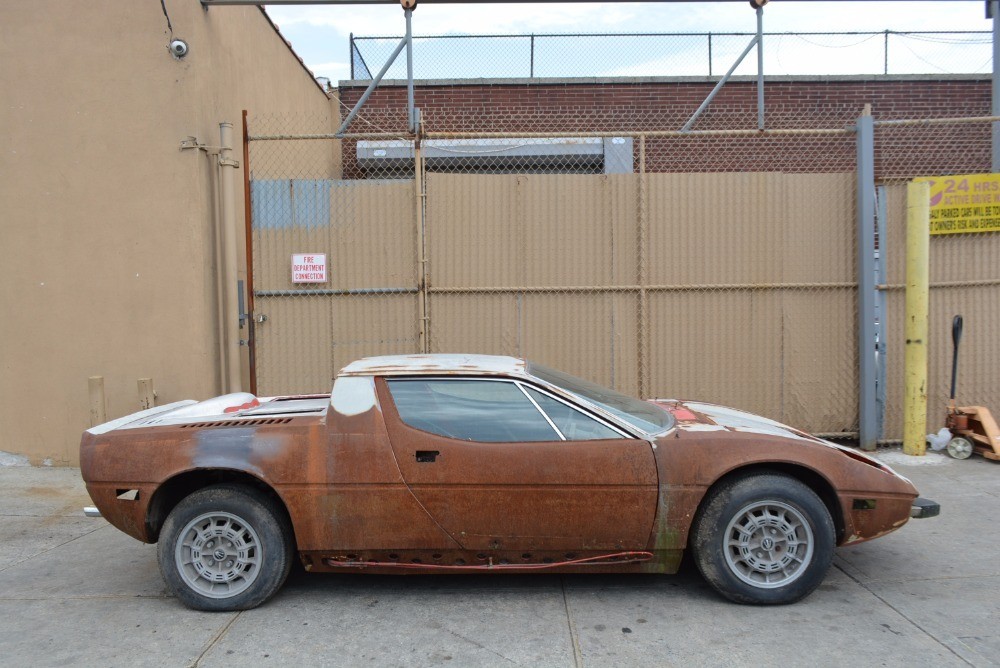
232 372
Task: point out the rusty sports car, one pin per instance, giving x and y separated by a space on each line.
471 464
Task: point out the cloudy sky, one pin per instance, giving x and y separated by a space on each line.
320 35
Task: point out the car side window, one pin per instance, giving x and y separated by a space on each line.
471 410
574 425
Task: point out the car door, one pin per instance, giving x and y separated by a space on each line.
495 470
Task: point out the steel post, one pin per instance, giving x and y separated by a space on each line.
917 298
410 114
880 304
867 396
371 88
420 210
760 68
718 86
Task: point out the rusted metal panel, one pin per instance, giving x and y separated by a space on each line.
581 495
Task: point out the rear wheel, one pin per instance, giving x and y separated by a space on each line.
225 547
763 539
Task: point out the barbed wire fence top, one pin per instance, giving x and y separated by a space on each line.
578 55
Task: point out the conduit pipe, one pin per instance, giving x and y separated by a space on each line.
229 315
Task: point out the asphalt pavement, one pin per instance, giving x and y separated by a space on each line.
75 591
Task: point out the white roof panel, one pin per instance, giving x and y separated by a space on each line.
400 365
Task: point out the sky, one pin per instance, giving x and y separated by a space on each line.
319 35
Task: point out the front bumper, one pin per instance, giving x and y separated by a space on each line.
922 508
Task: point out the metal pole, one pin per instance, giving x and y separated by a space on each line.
760 68
709 54
867 397
248 236
917 297
881 206
350 55
718 86
532 74
995 12
418 187
885 53
371 87
643 311
409 71
230 298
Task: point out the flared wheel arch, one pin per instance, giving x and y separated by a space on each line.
173 490
808 477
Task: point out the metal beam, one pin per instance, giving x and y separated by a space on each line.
718 86
410 112
867 395
760 68
371 87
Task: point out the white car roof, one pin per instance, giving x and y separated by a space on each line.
404 365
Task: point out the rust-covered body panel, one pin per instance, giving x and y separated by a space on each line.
358 499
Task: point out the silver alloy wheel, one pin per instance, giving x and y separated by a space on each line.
218 555
768 544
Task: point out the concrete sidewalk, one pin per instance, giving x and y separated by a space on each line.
75 591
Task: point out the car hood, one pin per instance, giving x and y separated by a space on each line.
696 416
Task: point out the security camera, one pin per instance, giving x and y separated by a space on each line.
178 48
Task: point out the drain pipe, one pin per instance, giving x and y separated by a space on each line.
232 377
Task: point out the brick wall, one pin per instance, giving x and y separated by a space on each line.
512 106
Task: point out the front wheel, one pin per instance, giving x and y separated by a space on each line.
225 547
763 539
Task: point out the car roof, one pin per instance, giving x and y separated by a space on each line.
406 365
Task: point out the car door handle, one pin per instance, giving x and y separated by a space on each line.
424 456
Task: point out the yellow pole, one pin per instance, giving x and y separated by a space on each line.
917 298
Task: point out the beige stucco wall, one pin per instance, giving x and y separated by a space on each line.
106 226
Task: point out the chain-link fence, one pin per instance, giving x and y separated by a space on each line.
676 54
717 264
583 230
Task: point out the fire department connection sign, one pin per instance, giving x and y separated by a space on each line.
309 268
964 203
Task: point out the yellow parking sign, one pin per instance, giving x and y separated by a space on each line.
964 203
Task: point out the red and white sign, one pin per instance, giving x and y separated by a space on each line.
309 268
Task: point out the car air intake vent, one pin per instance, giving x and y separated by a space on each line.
236 423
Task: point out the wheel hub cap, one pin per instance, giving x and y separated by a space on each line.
768 544
218 554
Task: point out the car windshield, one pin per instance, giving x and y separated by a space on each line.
648 417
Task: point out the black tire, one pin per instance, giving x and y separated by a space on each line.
763 539
224 548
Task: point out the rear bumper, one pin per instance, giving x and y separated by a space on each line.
922 508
